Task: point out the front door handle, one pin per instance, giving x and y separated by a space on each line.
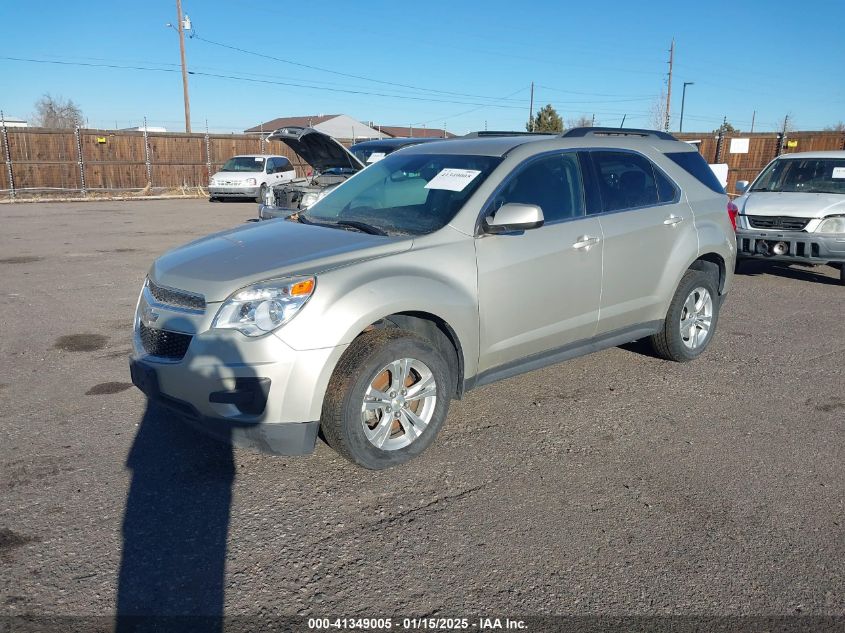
586 241
673 219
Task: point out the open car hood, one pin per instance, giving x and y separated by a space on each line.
319 150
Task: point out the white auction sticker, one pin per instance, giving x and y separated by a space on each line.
839 172
452 179
375 157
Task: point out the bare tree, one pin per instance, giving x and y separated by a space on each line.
54 112
582 121
836 127
657 112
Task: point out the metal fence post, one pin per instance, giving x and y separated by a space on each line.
207 152
261 133
720 141
147 161
80 161
8 155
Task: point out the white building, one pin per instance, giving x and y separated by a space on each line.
13 121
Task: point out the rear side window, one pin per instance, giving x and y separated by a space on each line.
625 180
695 165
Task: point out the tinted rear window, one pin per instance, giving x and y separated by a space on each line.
697 167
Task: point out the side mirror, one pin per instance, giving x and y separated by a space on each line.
741 186
513 217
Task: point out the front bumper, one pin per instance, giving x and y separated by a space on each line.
234 192
267 212
256 392
277 439
812 248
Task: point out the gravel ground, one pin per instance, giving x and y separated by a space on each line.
613 484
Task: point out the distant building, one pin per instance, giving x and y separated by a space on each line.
339 126
403 131
13 121
150 128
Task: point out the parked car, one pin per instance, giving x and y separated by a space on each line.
438 269
369 152
794 211
250 176
332 164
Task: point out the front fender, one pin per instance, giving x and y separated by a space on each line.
440 280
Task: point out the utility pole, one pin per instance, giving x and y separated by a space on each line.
753 118
669 85
593 122
180 21
531 110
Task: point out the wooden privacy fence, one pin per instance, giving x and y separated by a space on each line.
42 160
746 160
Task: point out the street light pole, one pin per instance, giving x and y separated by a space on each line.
683 99
180 21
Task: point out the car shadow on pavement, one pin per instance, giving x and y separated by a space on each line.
753 268
175 527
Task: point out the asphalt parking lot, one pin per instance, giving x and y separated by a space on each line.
613 484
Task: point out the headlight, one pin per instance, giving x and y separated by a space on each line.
264 306
310 199
833 224
270 197
251 181
212 182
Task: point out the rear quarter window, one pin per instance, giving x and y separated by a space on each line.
697 167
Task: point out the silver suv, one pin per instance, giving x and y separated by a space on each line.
438 269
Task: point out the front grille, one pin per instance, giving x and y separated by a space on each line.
170 345
777 222
177 298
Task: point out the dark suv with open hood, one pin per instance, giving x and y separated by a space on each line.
332 164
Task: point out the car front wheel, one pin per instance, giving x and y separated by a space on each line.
261 191
691 319
387 399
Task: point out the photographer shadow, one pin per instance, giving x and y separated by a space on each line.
176 523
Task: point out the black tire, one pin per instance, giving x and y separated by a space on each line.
359 366
738 266
668 343
842 274
213 199
261 191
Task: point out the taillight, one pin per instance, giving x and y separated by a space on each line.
733 211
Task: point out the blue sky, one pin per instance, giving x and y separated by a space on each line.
465 64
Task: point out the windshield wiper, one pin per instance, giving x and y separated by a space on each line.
362 226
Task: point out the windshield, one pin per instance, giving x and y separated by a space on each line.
807 175
410 194
244 163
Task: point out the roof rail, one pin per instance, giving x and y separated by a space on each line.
486 133
616 131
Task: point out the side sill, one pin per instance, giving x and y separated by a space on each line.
560 354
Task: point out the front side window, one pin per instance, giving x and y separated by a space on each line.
625 180
807 175
553 183
410 194
244 163
283 164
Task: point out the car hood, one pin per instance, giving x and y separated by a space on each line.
319 150
219 264
792 204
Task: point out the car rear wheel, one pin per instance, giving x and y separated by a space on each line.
691 319
387 399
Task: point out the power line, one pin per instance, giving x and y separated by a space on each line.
260 81
337 72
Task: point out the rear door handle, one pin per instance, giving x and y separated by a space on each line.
586 241
673 219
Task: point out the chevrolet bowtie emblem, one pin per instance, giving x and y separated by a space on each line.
148 316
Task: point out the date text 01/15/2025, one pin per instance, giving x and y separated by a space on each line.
417 624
